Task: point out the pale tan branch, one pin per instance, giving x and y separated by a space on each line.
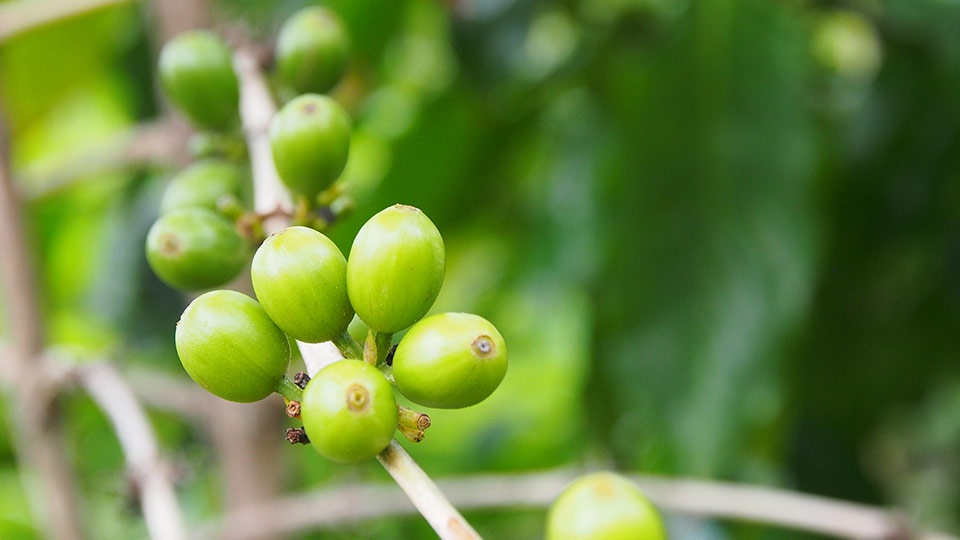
169 393
149 472
717 500
160 141
21 16
425 495
305 511
256 110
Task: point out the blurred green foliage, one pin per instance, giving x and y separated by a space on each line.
721 237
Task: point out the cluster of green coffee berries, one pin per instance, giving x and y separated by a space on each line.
199 240
238 348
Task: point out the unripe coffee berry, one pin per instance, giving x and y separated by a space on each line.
450 361
310 141
603 506
230 347
194 248
395 268
312 50
300 277
203 184
196 73
349 411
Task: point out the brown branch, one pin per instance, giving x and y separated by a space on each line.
171 17
21 16
151 475
322 508
160 141
38 438
720 500
26 339
177 395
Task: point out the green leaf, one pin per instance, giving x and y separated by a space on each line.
708 236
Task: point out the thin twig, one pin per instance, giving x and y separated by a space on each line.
256 110
317 356
165 392
151 475
426 496
721 500
38 437
785 508
22 16
159 141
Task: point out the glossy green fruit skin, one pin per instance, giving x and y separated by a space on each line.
202 184
192 249
310 141
395 268
349 411
312 50
230 347
450 361
603 506
196 73
300 277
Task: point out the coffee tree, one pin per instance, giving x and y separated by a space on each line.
462 242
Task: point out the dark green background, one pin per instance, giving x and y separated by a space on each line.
721 237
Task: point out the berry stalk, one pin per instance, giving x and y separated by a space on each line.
289 389
348 346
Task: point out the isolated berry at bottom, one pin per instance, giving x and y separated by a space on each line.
203 184
192 249
395 268
349 411
450 361
603 506
300 277
312 50
230 347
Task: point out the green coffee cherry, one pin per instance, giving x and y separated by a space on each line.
349 411
300 277
450 361
395 268
230 347
310 140
194 248
196 73
603 506
312 50
202 184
